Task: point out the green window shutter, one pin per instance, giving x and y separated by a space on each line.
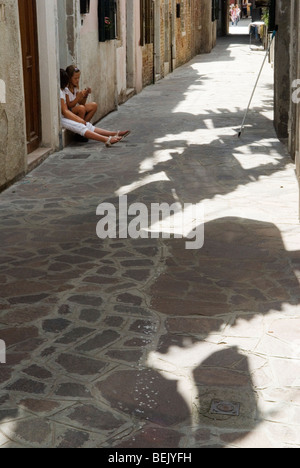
215 10
84 7
101 20
272 18
146 9
107 20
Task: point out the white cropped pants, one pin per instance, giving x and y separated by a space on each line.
77 127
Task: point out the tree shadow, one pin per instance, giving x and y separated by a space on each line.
212 304
242 272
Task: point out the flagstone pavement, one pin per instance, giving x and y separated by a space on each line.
126 343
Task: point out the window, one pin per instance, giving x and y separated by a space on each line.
84 7
107 13
272 15
146 22
215 10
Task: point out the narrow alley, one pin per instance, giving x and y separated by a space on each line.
132 343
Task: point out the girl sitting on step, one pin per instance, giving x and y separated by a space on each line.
76 99
78 125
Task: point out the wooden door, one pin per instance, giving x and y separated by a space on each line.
28 31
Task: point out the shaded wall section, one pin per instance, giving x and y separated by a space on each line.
282 71
12 128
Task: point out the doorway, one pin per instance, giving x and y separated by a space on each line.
130 49
29 42
170 40
239 17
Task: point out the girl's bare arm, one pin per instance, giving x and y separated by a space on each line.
69 114
77 100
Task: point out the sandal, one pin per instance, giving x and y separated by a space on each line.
111 141
122 135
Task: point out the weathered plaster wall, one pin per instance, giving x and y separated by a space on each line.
12 125
297 110
49 44
129 52
138 62
97 62
293 112
67 32
121 50
111 67
287 73
207 28
282 69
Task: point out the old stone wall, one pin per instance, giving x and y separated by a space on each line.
282 69
207 38
294 105
297 104
287 77
114 69
147 51
185 29
12 125
110 67
97 61
183 26
67 22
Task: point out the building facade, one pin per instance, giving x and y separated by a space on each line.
29 104
174 31
120 46
287 76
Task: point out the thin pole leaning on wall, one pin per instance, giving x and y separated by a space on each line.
261 69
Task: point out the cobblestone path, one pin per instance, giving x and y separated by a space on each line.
128 342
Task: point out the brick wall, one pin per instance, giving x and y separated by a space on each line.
147 64
181 35
184 26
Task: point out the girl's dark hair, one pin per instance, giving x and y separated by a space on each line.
71 69
64 79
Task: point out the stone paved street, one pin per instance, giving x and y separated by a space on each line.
127 342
